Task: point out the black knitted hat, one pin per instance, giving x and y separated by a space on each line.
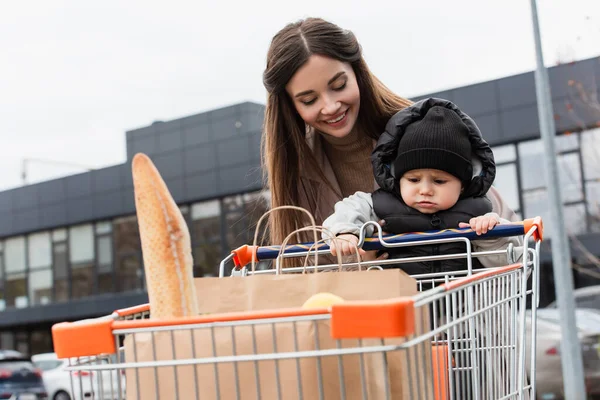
438 141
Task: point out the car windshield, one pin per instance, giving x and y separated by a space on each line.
46 365
587 320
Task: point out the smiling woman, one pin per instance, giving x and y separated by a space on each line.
329 106
325 110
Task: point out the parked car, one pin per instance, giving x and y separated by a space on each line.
19 378
85 384
549 378
585 297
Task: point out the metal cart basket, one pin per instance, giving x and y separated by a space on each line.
477 342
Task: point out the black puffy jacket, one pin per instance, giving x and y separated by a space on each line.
400 218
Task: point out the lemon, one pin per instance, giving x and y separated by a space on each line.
322 300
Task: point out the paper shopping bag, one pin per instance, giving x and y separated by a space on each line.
270 291
348 376
297 374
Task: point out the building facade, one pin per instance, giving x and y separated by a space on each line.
70 247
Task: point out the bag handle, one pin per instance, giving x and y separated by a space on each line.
316 243
266 214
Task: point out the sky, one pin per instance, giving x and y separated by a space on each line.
76 75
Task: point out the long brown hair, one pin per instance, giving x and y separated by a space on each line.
284 131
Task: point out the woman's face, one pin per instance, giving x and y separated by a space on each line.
325 94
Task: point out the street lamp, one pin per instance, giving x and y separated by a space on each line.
572 365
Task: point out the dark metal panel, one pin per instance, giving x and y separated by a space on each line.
200 158
232 152
71 311
201 186
53 191
107 179
79 185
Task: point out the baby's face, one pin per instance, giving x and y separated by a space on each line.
429 190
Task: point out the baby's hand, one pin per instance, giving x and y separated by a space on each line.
482 224
346 243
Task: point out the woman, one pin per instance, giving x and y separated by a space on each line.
325 111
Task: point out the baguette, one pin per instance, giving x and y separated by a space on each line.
166 244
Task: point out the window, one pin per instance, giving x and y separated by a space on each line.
105 264
569 173
206 237
242 214
533 170
590 155
590 152
2 299
128 254
536 204
15 272
593 204
81 257
7 340
40 252
566 142
506 183
14 253
39 248
61 273
22 342
41 342
574 217
505 153
105 257
40 287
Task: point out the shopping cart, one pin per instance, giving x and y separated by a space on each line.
478 342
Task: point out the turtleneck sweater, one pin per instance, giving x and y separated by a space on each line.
350 159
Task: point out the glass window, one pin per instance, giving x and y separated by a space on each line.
533 174
590 152
7 340
22 342
39 248
570 177
128 253
40 287
105 265
1 265
593 204
41 342
206 237
207 209
82 279
536 204
566 142
16 291
61 277
574 217
130 273
505 153
81 255
506 183
242 215
59 235
81 243
103 227
14 255
2 296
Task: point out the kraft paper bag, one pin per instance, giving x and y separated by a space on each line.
348 375
269 291
370 375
